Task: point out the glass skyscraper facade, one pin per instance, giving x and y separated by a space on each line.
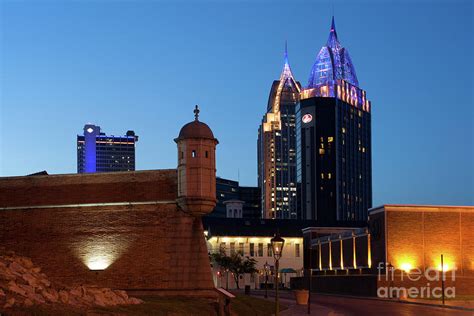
277 148
228 190
334 167
97 152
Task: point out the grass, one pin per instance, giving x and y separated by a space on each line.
247 305
163 306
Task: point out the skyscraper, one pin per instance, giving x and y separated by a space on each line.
97 152
277 148
334 167
230 190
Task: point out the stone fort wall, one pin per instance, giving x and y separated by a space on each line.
120 230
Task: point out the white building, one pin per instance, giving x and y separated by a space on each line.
251 238
234 208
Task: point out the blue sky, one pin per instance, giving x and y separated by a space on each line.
143 65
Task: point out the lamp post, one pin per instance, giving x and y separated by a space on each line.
277 247
442 277
309 278
227 279
266 267
389 272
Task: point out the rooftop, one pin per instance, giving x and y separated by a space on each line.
332 63
261 227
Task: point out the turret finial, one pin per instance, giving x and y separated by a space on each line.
196 113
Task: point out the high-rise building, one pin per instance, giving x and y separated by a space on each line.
230 190
251 198
277 148
97 152
334 140
226 190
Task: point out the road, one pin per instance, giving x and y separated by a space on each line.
348 306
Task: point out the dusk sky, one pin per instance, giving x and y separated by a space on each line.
143 65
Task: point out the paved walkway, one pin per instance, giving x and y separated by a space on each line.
327 305
300 310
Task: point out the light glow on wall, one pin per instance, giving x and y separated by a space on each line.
330 255
100 251
320 262
406 266
354 251
369 253
448 264
342 254
98 263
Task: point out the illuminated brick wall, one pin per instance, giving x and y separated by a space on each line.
416 236
119 230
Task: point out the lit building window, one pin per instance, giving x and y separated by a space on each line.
269 250
330 139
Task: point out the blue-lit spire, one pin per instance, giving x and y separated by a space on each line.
332 34
286 73
332 63
286 77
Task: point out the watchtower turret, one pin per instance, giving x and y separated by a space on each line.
196 167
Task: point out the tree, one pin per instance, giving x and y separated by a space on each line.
235 263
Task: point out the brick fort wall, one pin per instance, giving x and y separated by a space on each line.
121 230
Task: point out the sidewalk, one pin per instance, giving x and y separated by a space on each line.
298 310
287 298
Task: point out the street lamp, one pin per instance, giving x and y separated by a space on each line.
277 247
266 267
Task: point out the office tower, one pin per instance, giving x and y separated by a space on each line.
230 190
97 152
277 148
334 140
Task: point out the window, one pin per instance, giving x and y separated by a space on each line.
252 249
297 250
222 247
260 250
241 248
232 248
269 250
193 154
330 139
207 154
182 155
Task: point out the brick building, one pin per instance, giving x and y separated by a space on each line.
401 247
137 230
